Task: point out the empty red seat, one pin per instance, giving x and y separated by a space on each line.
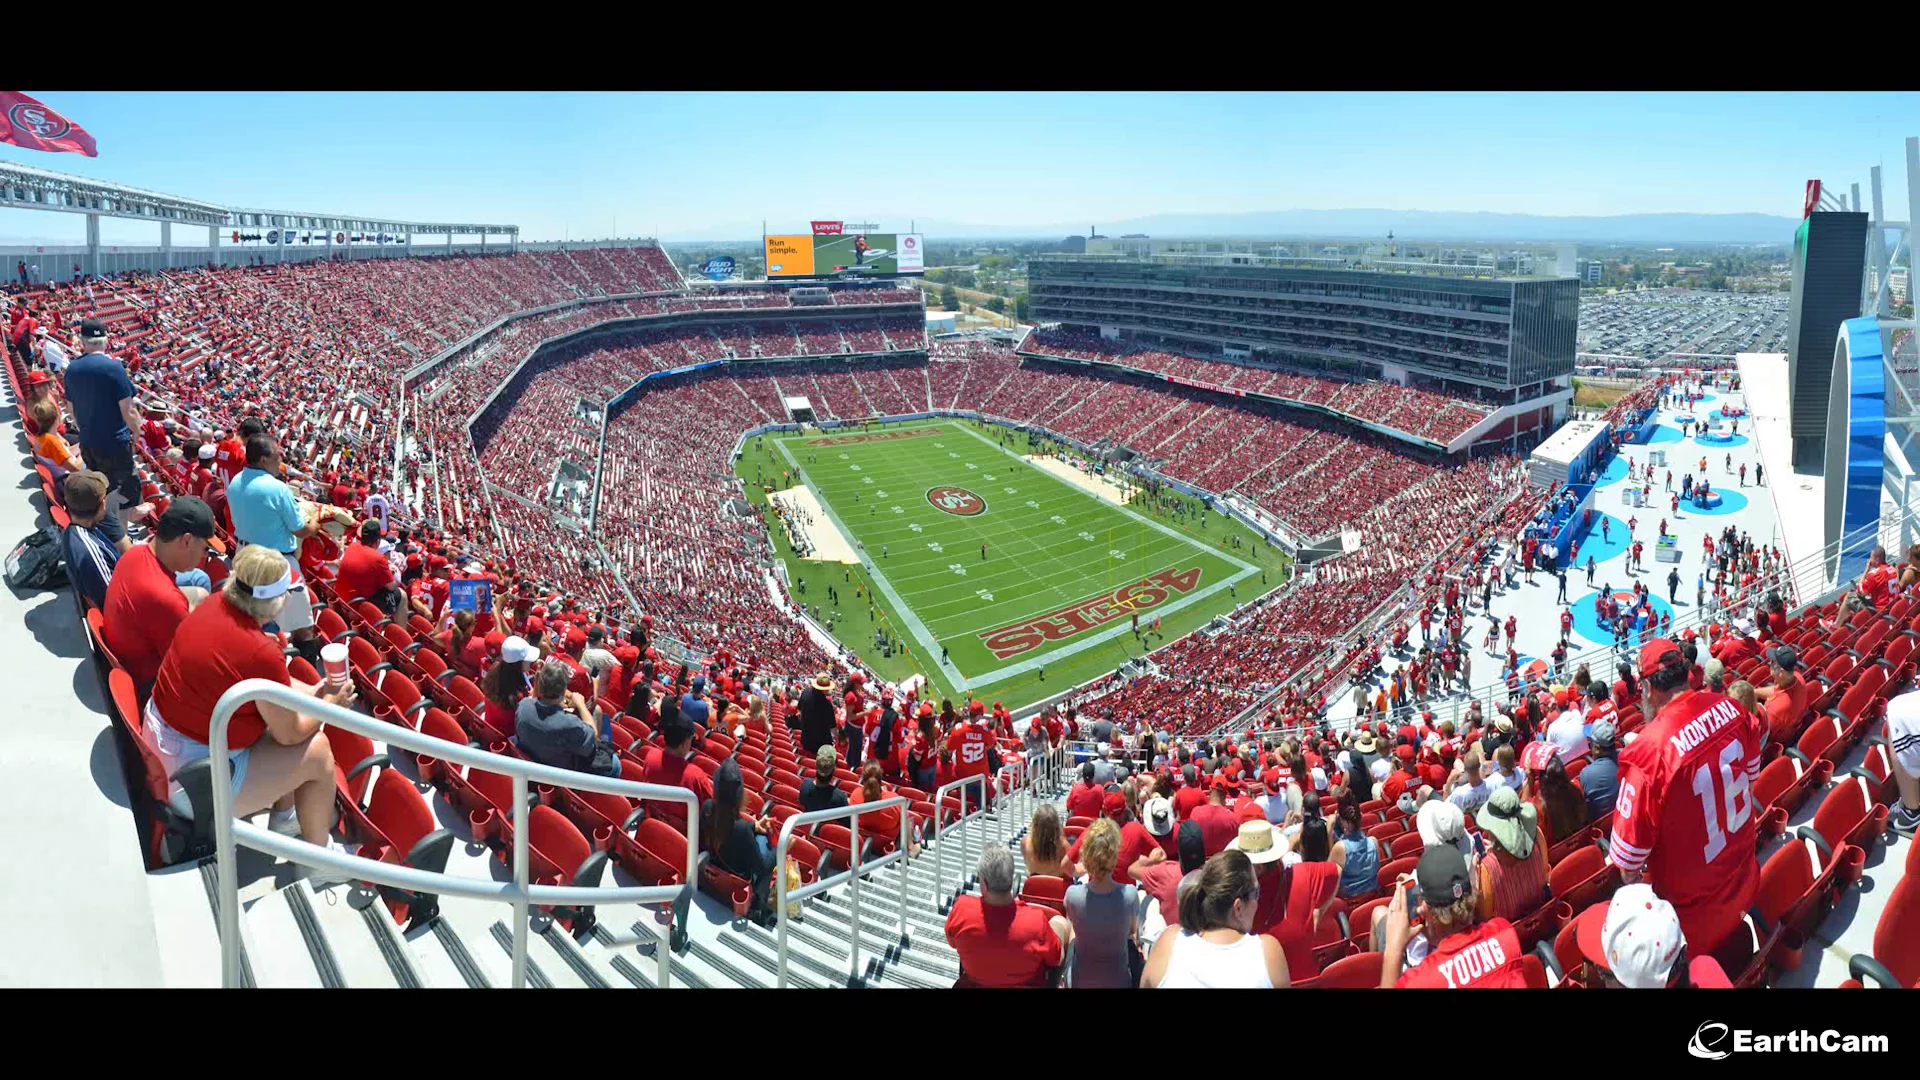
404 832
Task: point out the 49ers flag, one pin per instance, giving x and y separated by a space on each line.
37 127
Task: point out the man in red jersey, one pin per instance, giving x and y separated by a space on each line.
968 742
1876 582
1684 817
1465 954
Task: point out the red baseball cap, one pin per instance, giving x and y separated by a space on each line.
413 561
536 625
494 640
1249 810
1653 653
1434 775
975 708
1403 752
576 638
1114 804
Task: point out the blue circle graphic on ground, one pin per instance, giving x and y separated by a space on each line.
1731 502
1718 415
1601 545
1665 434
1586 617
1615 471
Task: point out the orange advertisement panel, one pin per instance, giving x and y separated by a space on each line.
789 255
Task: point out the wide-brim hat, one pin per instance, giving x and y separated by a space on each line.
823 681
1259 841
1509 821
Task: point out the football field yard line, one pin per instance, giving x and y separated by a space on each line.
1127 510
1021 552
1074 584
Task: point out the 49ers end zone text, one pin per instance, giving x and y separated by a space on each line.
1091 613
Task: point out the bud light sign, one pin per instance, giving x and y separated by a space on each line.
719 268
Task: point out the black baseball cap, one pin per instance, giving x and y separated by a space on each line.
92 328
184 515
1442 876
1786 658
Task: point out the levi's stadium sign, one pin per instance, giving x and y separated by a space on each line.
827 228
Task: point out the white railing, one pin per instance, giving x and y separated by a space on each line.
519 893
850 876
939 826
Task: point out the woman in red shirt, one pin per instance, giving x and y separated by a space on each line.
878 823
219 644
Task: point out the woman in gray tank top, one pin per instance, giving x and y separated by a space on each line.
1104 914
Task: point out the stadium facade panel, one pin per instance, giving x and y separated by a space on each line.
1495 339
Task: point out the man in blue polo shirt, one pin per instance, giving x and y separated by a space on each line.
265 512
101 396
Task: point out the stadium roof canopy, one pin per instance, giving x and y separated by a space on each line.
27 188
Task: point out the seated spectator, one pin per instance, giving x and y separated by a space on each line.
1217 823
1463 952
50 448
1563 808
819 791
1360 863
1903 734
1084 798
738 844
365 573
1505 772
1467 790
1001 941
1164 879
1215 947
555 727
1568 734
1157 818
1440 824
1787 699
460 645
1044 848
506 683
1634 942
884 822
218 644
1265 848
146 599
89 548
1600 780
1311 887
671 764
1513 874
1105 915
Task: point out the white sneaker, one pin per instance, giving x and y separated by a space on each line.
284 822
320 878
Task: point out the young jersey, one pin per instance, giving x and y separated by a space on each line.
969 742
1487 957
1685 812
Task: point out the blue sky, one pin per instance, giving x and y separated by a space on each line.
707 165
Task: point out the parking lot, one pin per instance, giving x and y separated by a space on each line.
1656 323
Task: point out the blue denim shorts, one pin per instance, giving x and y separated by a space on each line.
176 750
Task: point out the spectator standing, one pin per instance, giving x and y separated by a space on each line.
671 764
1001 941
1903 738
816 713
1163 880
1218 825
1312 886
1683 818
819 791
1085 797
1358 855
102 398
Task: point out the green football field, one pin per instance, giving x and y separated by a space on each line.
1052 601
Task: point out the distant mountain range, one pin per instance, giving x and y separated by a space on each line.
1365 224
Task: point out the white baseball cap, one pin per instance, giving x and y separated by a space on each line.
1637 937
515 650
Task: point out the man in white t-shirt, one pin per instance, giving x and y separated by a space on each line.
53 354
1467 790
1568 734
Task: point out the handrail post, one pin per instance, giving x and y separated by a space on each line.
520 882
228 915
906 849
853 934
780 904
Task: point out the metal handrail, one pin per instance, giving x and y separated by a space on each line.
520 893
939 820
851 875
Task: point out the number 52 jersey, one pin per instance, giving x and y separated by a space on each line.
1685 813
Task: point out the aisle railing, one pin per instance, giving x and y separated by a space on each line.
519 892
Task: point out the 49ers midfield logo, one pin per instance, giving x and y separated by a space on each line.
957 501
1083 615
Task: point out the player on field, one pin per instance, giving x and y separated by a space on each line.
1684 819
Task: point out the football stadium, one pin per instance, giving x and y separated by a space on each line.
412 605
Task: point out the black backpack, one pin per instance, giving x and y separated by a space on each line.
36 562
883 735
